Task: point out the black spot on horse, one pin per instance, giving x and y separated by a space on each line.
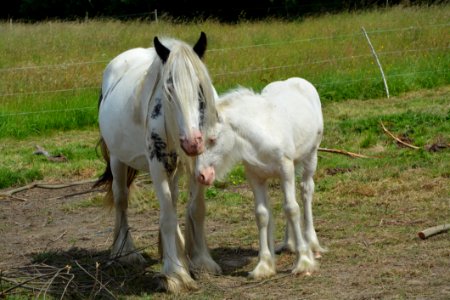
158 150
157 109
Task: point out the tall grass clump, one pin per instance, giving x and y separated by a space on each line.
50 72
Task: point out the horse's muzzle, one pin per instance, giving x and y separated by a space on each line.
193 146
206 176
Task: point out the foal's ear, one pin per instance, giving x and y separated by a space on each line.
200 46
163 51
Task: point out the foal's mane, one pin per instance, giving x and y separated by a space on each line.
232 96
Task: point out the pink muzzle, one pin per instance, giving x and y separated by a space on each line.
206 176
194 145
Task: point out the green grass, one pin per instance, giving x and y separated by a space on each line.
61 63
20 166
367 211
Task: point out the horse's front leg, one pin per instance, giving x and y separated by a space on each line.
266 266
196 246
175 267
304 259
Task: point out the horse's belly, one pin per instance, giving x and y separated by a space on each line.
130 152
124 138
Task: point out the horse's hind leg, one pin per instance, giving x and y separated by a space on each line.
307 191
123 247
304 259
266 264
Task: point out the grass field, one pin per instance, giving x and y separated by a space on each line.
367 210
50 72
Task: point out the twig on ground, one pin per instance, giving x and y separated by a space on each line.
18 285
10 193
426 233
102 286
397 139
351 154
76 194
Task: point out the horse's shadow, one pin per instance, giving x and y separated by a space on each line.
234 260
87 274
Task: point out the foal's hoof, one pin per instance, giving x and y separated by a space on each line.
262 271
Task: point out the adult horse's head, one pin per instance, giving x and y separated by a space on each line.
188 94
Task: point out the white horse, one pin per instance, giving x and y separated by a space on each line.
155 109
273 134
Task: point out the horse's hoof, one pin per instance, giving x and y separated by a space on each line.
131 259
262 271
176 284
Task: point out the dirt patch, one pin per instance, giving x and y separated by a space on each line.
54 245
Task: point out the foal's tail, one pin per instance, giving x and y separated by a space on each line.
105 180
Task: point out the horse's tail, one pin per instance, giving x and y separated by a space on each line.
105 180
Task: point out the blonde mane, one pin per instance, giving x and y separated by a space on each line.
190 79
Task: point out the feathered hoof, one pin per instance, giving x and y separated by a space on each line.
304 266
317 249
262 270
176 284
204 265
132 258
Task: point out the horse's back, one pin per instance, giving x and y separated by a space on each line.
137 58
117 118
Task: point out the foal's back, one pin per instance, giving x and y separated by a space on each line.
297 109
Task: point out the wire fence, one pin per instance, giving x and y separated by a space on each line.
244 71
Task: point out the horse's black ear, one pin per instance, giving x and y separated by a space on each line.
163 51
200 46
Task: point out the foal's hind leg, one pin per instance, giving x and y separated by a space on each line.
304 259
307 191
266 262
123 247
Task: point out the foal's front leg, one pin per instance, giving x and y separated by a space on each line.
266 261
307 191
304 259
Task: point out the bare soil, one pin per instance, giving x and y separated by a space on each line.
55 245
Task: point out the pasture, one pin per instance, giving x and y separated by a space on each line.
367 210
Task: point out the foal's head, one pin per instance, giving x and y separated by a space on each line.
188 94
221 152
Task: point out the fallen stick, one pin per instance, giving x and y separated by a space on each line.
10 193
426 233
397 139
351 154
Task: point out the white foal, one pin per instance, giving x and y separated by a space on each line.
272 134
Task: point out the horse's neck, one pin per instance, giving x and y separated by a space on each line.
146 92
